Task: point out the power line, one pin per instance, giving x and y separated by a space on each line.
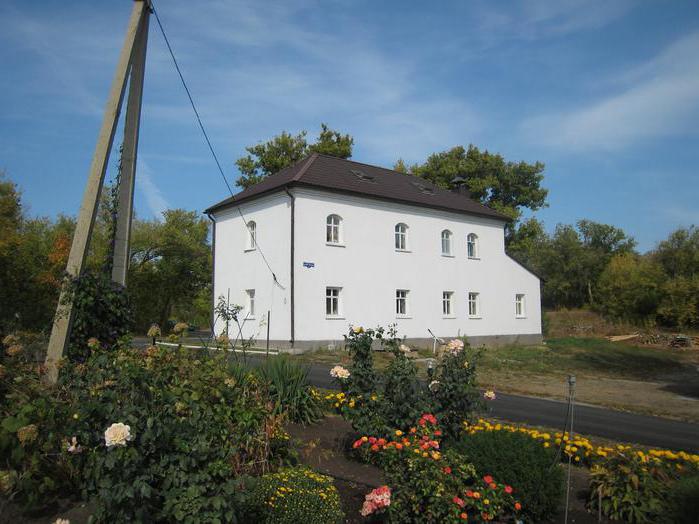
208 142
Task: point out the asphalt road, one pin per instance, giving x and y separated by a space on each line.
587 420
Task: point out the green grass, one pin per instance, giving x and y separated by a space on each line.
584 356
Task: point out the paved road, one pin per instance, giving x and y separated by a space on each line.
588 420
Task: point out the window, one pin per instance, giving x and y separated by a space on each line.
332 229
332 301
472 245
474 305
447 309
446 242
520 309
251 302
401 302
252 235
401 237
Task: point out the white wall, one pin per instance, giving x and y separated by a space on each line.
237 269
369 270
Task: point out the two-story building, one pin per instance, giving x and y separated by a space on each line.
351 243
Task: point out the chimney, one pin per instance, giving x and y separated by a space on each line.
458 185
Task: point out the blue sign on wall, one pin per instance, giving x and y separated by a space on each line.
309 264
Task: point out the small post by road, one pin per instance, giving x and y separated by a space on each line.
268 315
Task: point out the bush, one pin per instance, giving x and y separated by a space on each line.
294 495
684 501
522 462
289 389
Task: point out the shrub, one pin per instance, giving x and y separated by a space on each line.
294 495
684 501
522 462
440 486
289 389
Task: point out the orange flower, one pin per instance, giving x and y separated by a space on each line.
463 516
518 506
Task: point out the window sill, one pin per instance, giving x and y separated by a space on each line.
476 317
520 317
447 256
450 317
333 318
334 244
247 249
403 251
474 258
403 317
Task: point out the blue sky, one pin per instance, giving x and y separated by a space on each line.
605 93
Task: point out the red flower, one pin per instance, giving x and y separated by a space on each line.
508 489
488 479
518 506
493 485
381 442
437 433
469 493
447 470
458 501
357 443
374 447
372 440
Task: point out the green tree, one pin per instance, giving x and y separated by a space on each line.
170 268
508 187
679 254
680 302
269 157
630 288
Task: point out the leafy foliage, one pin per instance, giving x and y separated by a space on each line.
294 495
521 461
285 149
684 501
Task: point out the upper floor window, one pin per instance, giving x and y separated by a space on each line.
447 306
474 305
472 245
446 242
251 302
401 237
520 306
252 235
332 229
332 301
401 302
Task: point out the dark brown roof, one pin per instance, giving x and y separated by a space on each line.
346 176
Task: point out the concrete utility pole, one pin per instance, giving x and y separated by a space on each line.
131 66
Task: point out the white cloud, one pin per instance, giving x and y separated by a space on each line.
145 184
659 98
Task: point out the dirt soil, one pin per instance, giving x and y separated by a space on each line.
322 447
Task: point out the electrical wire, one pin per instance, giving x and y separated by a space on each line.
208 141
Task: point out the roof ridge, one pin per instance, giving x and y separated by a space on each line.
309 160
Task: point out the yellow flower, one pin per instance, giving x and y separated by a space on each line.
398 433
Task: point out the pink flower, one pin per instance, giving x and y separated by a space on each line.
508 489
376 500
459 502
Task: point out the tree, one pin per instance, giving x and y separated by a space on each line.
679 254
508 187
285 149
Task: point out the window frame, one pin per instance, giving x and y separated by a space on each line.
400 232
472 246
333 232
250 293
474 297
404 301
448 301
520 305
337 298
446 236
251 233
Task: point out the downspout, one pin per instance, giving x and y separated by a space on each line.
213 274
291 262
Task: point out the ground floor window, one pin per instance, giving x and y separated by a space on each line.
520 310
251 302
447 309
332 301
473 304
401 302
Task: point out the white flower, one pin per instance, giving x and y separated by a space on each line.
404 348
433 385
455 346
339 372
117 434
489 395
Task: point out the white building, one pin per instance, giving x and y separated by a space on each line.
356 244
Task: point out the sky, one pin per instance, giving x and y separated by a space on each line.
604 93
